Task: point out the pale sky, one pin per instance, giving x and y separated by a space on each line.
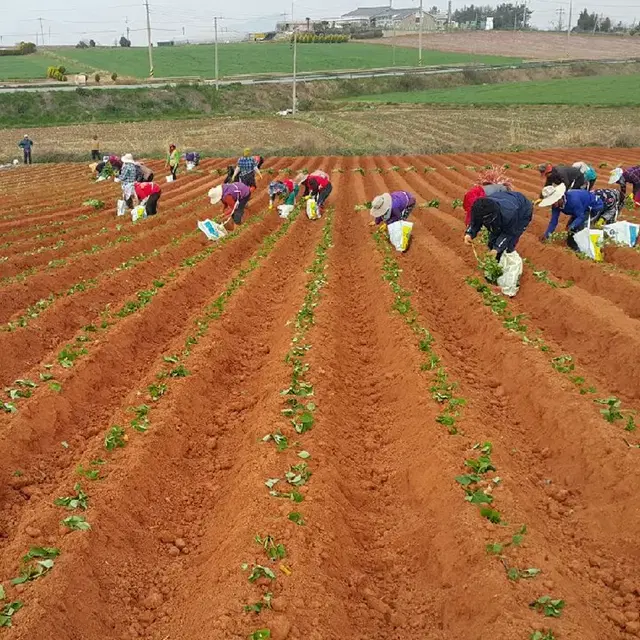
69 21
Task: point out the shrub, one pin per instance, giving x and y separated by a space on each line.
57 73
97 78
114 76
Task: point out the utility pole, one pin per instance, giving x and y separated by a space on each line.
420 37
126 21
149 39
560 13
215 50
394 38
449 16
41 31
515 18
294 95
524 15
569 23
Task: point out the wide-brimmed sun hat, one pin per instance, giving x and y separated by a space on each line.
380 205
93 166
583 166
551 194
127 158
215 194
615 176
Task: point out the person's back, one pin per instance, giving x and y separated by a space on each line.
579 201
513 205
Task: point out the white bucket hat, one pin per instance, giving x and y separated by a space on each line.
551 194
615 176
127 158
215 194
380 205
583 166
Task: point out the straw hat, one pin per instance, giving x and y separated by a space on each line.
551 194
215 194
127 158
93 166
380 205
616 174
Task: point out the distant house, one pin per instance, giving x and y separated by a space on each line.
388 18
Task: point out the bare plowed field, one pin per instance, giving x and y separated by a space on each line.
299 433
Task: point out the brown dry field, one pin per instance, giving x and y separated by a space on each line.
530 45
378 130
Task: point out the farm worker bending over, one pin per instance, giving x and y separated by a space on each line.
192 157
234 197
147 193
570 177
631 175
26 144
173 160
576 203
127 175
589 173
392 207
505 215
143 173
490 181
247 169
317 187
286 189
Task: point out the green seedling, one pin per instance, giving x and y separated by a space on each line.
258 571
428 169
257 607
26 383
305 455
156 391
394 168
359 170
547 605
141 421
3 595
468 479
480 465
303 422
260 634
298 474
515 574
456 204
9 407
486 448
631 424
296 517
45 377
281 442
432 204
178 372
602 165
95 204
563 364
41 552
612 411
528 165
115 438
79 501
273 550
542 635
76 523
271 482
7 611
68 356
171 359
491 515
90 474
478 497
518 537
37 562
55 386
495 549
490 268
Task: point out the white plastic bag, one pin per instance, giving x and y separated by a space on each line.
400 234
138 213
170 178
589 242
284 210
191 166
509 281
623 232
121 208
213 230
313 212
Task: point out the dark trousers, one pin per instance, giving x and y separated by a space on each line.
149 179
152 204
95 155
249 179
27 156
174 172
324 194
239 212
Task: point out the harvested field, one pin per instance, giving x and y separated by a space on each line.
534 45
156 382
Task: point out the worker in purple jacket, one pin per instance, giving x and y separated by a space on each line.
234 198
392 207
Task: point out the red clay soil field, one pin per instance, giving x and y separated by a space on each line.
298 432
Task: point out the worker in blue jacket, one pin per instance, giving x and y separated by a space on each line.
506 215
578 204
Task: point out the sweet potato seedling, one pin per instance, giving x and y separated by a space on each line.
491 515
550 607
156 391
258 571
115 439
90 474
273 550
298 474
542 635
36 563
260 634
296 517
79 501
281 441
7 611
456 204
76 523
257 607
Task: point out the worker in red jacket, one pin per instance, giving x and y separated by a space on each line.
317 187
146 193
